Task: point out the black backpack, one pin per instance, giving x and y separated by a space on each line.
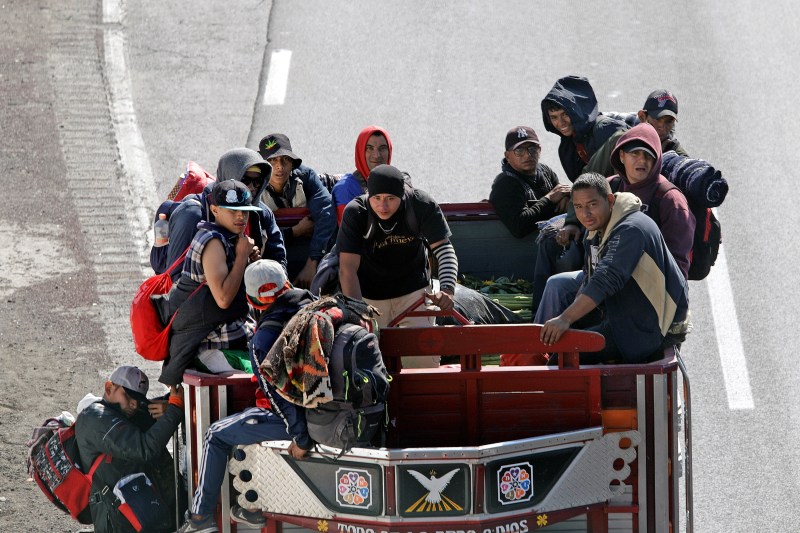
360 383
707 239
707 230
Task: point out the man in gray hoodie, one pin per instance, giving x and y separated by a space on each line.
241 164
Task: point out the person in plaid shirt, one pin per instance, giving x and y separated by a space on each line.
209 298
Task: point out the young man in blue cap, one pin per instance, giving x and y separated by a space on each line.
209 296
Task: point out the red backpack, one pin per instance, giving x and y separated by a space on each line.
193 181
150 335
53 462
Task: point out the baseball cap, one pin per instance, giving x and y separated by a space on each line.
232 194
277 144
264 279
519 135
638 145
660 103
133 380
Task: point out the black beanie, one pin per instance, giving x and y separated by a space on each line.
385 179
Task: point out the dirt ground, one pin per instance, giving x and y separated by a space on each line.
53 345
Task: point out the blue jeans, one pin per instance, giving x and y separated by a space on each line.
559 293
251 426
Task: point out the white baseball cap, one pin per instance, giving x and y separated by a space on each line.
264 278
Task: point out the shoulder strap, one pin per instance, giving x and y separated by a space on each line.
100 458
411 213
272 324
178 261
653 210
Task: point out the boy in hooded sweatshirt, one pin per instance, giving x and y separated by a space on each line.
637 160
570 111
241 164
630 272
373 148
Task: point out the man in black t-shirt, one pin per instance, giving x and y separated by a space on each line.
383 259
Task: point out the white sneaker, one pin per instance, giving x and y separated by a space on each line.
215 361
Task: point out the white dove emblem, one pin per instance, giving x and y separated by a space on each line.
434 485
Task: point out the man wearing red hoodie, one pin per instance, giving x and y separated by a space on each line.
373 148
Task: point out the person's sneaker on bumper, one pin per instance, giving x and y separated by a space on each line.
205 525
243 516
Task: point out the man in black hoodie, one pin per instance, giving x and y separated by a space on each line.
570 111
526 191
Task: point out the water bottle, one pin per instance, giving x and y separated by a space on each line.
161 230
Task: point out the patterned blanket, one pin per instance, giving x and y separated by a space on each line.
297 364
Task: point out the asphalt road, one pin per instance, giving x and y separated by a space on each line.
447 80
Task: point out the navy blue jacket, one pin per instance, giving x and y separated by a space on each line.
592 130
317 200
637 279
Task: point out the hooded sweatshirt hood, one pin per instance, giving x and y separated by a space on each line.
644 133
361 148
576 96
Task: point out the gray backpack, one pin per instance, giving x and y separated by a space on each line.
360 382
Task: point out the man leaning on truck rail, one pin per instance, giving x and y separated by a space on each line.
631 277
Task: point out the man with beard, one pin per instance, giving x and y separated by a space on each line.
526 191
385 262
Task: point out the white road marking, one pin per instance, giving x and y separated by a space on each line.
277 77
133 153
729 338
